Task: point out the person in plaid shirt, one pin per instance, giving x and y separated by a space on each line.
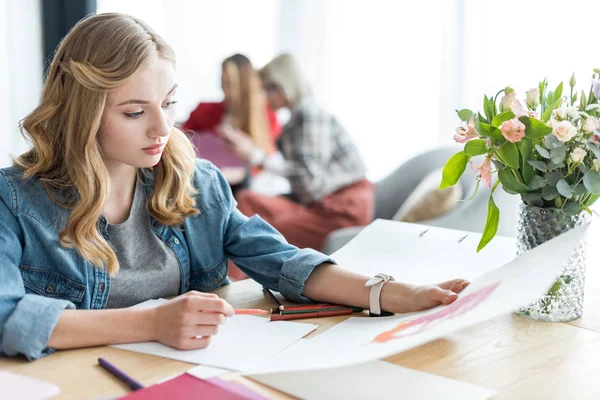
324 167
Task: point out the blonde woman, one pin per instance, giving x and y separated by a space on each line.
243 107
326 172
109 208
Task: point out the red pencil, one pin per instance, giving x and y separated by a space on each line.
250 311
316 314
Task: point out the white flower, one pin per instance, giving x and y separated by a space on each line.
589 125
578 155
507 100
533 98
564 131
572 112
596 164
560 113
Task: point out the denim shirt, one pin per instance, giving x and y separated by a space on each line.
39 278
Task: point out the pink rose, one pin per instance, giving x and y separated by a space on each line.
466 132
513 130
484 171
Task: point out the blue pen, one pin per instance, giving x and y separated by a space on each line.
132 383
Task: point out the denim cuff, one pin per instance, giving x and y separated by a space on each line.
30 325
295 272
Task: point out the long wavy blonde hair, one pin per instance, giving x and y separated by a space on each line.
99 54
247 103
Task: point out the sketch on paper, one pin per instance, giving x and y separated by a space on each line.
459 307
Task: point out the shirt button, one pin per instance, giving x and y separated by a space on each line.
101 288
176 241
216 280
50 288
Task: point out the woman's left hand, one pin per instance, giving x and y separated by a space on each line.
400 297
238 142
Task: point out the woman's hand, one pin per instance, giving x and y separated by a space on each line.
237 142
401 298
189 321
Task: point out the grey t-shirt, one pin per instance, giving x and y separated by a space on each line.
148 267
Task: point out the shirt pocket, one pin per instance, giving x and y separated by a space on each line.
51 284
209 278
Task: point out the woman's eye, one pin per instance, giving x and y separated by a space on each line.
170 103
135 114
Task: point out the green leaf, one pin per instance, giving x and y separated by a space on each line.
553 106
509 154
572 208
453 169
525 148
465 114
488 108
475 147
579 189
510 182
543 152
558 91
481 118
594 149
500 118
489 131
564 189
536 182
551 142
534 128
539 165
476 190
554 167
591 180
491 223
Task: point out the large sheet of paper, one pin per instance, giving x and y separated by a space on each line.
372 380
420 254
240 344
503 290
15 386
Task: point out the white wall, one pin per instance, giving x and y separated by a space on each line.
21 60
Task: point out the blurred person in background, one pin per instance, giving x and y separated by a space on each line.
243 109
325 170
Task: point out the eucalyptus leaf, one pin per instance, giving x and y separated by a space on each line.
554 167
579 189
572 208
550 193
453 169
583 168
591 180
536 182
533 199
543 152
553 177
558 155
594 149
552 142
564 189
539 165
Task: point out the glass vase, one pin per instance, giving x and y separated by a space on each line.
564 300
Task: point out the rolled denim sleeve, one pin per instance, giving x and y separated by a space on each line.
263 253
26 320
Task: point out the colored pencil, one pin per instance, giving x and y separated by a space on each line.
116 372
316 314
280 306
308 310
250 311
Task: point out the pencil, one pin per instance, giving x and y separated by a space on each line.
117 373
316 314
318 309
272 296
250 311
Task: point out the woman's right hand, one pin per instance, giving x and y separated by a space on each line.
189 321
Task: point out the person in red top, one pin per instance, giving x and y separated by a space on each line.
243 108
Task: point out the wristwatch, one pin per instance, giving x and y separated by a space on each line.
376 284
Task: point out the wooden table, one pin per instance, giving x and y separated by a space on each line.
520 358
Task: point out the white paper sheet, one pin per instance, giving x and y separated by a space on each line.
373 380
241 342
205 372
398 249
15 386
503 290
